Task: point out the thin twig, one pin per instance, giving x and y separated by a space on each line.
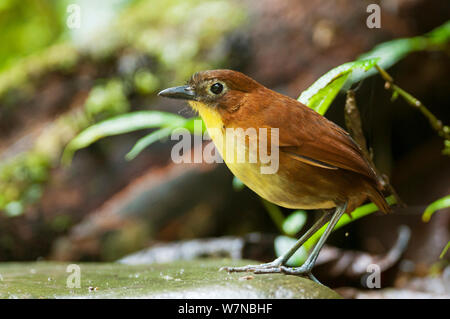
436 124
354 126
353 123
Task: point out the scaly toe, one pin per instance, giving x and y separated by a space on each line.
234 269
254 268
274 270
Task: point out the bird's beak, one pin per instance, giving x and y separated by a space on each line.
184 92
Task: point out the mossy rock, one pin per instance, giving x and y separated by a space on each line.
187 279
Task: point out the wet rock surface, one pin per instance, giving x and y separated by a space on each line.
190 279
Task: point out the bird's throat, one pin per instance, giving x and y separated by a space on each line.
213 122
209 115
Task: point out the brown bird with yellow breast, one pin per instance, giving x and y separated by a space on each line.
320 166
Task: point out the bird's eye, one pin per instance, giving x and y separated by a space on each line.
216 88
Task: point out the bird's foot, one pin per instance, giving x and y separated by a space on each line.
275 267
272 267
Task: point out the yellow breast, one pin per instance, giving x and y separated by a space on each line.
230 149
273 187
248 173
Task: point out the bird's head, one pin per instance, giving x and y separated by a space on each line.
218 90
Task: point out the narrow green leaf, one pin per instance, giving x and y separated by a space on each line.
323 99
446 150
283 243
393 51
444 251
147 140
119 125
190 125
320 95
441 203
275 213
194 125
394 96
439 35
237 184
294 222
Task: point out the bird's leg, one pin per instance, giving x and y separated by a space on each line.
274 266
306 268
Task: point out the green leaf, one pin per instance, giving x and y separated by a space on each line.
193 125
393 51
237 184
147 140
394 96
446 150
321 101
320 95
119 125
444 251
190 125
439 35
283 243
275 213
294 222
441 203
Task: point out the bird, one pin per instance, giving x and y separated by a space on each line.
320 167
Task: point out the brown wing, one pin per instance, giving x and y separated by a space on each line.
309 137
325 143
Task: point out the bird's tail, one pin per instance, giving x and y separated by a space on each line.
377 197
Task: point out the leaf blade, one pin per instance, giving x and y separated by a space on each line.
320 95
441 203
294 222
147 140
119 125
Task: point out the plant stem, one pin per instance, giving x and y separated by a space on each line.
354 126
445 250
274 213
436 124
